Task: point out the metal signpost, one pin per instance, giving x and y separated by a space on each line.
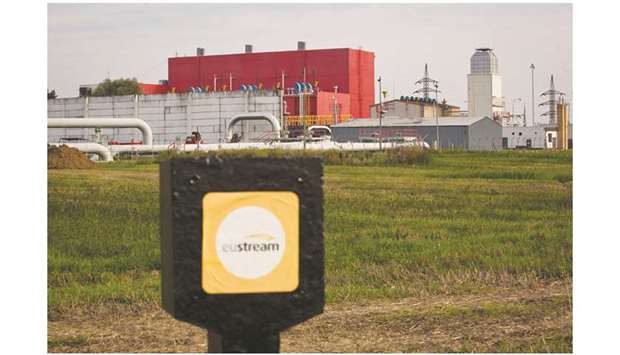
532 67
242 247
380 116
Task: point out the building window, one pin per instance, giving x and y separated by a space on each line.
549 137
520 133
513 133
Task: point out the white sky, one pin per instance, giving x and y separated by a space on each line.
88 41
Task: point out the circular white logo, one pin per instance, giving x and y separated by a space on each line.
250 242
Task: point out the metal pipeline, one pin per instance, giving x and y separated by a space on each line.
139 148
313 145
147 133
248 116
108 153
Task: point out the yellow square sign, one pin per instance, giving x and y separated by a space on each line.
250 242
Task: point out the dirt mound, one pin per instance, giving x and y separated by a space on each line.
64 157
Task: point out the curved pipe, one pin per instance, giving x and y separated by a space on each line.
249 116
147 133
312 128
93 148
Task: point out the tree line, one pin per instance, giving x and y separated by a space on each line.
116 87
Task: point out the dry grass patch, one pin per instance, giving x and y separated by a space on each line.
536 319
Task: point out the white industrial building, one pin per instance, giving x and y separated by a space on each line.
471 133
533 137
172 116
524 137
484 85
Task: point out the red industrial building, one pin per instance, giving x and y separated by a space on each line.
150 89
342 79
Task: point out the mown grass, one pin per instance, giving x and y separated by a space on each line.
396 225
71 341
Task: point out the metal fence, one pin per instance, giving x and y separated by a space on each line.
315 120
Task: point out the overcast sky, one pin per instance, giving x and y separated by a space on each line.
88 41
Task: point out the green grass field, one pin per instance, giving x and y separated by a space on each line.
457 224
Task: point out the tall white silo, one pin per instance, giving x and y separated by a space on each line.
484 85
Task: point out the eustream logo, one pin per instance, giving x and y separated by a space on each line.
253 243
250 242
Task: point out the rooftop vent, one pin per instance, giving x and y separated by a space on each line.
248 48
301 45
200 51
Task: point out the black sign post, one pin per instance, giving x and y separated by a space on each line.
242 247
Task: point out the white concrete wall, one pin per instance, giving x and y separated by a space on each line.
172 117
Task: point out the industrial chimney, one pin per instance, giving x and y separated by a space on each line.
248 48
301 45
200 51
